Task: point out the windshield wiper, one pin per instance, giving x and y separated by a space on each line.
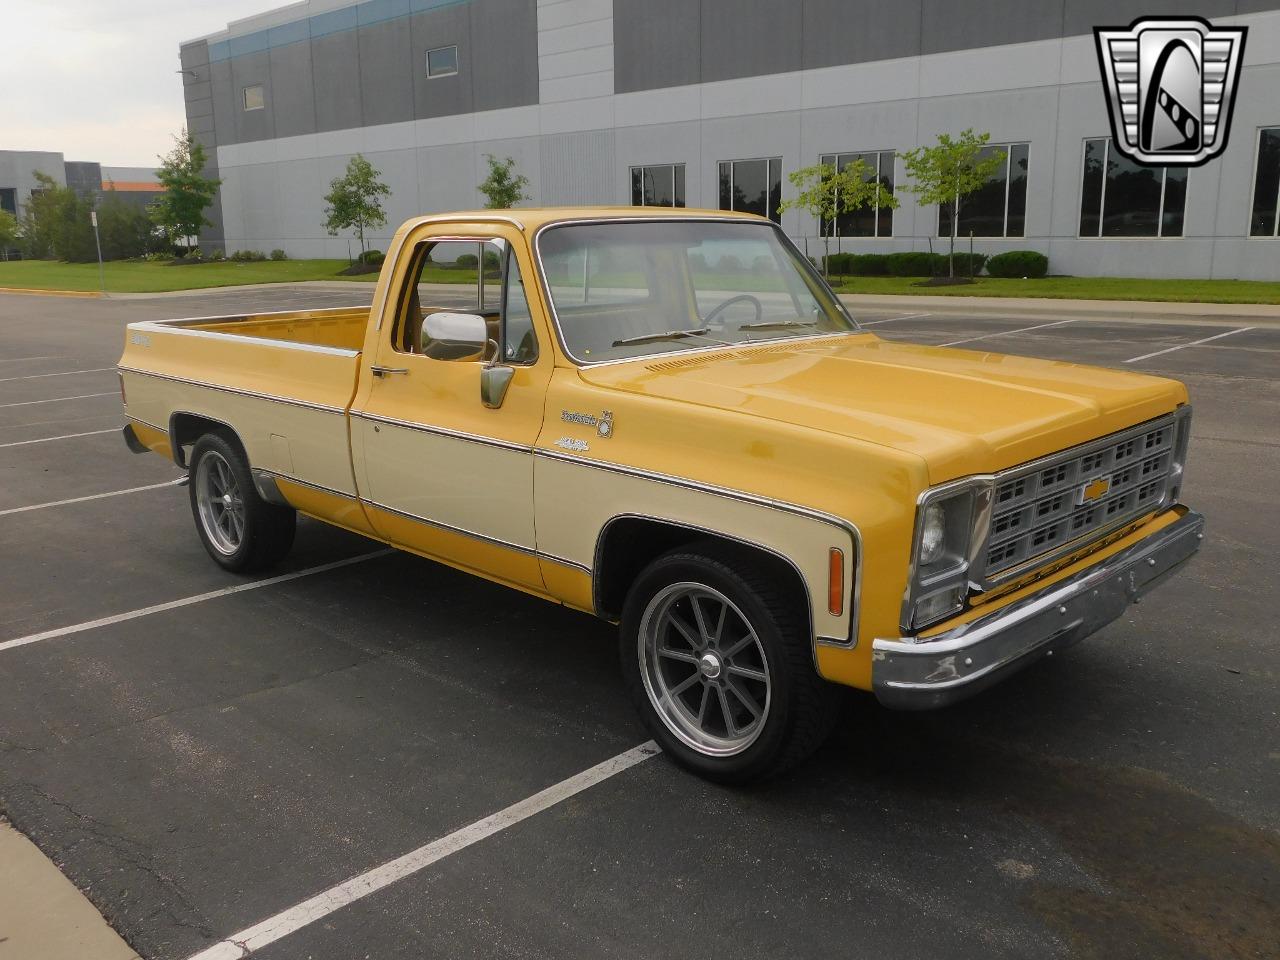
778 324
667 335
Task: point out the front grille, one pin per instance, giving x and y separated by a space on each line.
1077 495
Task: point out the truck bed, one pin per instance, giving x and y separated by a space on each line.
281 381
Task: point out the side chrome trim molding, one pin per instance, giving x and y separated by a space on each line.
177 328
807 512
274 475
442 431
252 394
529 551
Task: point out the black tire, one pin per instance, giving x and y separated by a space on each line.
264 534
800 708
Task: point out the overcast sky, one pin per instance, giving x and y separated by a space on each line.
96 79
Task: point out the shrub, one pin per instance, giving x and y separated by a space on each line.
1018 263
248 256
729 264
217 254
158 257
917 263
868 264
278 254
962 263
466 261
838 263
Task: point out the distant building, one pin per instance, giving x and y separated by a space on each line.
713 103
137 185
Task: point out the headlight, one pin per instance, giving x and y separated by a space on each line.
945 538
933 531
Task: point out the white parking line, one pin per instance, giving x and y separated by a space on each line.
1183 346
92 496
64 373
187 601
270 930
909 316
83 396
24 359
1005 333
65 436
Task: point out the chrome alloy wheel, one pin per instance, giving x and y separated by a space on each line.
221 504
704 669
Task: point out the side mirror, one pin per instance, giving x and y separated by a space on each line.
454 336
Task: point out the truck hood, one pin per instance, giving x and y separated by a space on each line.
961 411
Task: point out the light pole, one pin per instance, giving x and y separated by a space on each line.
102 276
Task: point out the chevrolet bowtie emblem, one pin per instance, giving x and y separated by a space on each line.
1095 490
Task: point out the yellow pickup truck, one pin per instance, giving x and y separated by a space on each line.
666 419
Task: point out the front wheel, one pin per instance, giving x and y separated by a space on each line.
718 661
239 529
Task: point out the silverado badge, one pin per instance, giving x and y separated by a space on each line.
602 423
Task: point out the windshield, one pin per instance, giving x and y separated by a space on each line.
642 287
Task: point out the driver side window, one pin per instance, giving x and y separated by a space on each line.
466 276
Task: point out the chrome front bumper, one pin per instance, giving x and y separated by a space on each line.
911 674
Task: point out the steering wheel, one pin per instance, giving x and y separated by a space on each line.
720 308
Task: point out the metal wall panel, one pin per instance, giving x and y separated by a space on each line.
748 38
577 168
442 96
504 49
246 71
293 102
657 44
386 72
944 27
837 32
335 62
1083 15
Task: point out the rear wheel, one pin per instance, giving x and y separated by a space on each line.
239 529
719 663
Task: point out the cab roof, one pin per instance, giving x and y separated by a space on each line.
531 218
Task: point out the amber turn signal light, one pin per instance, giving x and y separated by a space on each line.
835 582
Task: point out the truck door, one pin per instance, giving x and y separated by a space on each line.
443 470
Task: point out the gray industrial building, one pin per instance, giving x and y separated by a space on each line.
88 178
711 103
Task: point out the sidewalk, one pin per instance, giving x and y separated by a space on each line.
1255 313
42 914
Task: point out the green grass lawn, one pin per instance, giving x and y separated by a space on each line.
1076 288
138 277
126 276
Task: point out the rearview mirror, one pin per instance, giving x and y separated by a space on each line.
454 336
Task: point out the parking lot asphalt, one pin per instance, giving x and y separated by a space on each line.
200 767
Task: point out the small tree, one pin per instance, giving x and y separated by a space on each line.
948 172
179 211
8 233
355 200
826 192
55 223
126 229
501 189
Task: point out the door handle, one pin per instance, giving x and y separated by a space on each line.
380 371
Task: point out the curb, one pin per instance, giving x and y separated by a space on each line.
36 292
1025 307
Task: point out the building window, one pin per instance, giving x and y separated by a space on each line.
9 200
1264 221
254 98
442 62
872 221
658 186
1119 198
999 207
752 186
